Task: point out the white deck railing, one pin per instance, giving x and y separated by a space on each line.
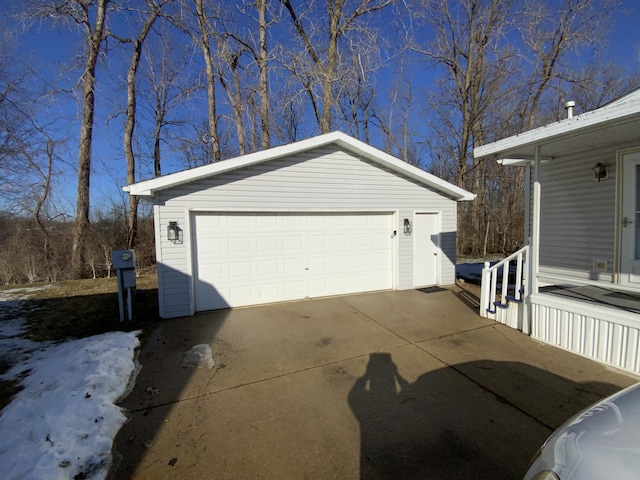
498 274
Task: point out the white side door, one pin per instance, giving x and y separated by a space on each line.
630 230
425 249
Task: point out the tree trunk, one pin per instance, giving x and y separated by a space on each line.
132 217
156 146
262 65
205 46
81 227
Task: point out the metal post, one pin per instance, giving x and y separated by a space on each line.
120 294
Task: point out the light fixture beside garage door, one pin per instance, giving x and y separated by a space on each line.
174 232
407 227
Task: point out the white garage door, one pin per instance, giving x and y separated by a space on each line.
247 259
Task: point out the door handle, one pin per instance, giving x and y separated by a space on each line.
626 222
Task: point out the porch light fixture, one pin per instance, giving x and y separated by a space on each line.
407 227
599 172
174 232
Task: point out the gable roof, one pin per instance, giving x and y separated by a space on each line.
149 188
613 124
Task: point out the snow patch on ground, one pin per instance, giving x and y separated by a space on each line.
470 272
15 350
64 421
62 424
21 293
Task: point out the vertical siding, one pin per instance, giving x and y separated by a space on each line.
322 180
607 335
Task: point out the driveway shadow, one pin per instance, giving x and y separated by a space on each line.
176 356
443 426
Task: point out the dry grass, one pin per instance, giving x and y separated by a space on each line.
77 309
80 308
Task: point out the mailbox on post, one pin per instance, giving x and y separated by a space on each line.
124 263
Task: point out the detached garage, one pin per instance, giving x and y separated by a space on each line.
325 216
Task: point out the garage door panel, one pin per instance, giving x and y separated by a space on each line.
241 294
294 289
293 266
317 265
379 281
270 292
245 259
361 241
294 222
341 220
318 221
295 243
266 221
240 245
339 241
339 263
240 271
268 268
318 287
267 244
239 222
317 242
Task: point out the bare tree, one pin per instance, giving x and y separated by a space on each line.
230 53
548 33
342 17
169 84
203 40
262 59
90 17
94 34
494 86
138 42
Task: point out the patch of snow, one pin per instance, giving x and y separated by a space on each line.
22 292
14 349
12 328
470 272
62 424
199 356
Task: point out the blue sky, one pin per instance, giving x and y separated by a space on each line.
49 50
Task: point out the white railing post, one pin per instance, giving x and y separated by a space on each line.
518 284
505 283
484 290
489 287
526 300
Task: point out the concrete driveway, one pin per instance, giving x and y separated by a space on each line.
397 384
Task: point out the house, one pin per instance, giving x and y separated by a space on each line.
324 216
577 282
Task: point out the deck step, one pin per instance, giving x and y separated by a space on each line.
511 298
501 305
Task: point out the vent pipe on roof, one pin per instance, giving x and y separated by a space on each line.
569 107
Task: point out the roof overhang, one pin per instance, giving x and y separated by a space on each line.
615 124
150 188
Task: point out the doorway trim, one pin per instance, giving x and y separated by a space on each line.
619 272
437 251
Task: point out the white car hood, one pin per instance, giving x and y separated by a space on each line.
601 442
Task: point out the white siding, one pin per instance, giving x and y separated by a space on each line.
577 213
322 180
604 334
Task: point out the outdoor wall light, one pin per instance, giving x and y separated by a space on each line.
599 172
407 227
174 232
